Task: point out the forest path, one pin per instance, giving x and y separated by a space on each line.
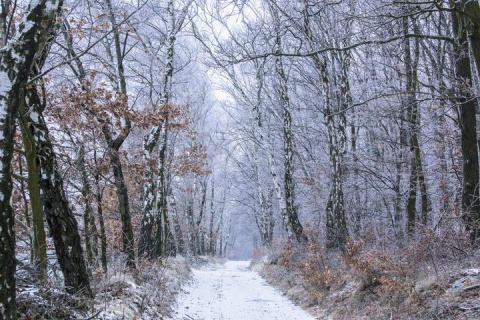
232 291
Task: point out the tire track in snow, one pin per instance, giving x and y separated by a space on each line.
233 292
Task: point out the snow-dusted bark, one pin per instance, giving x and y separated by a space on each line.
8 107
16 62
90 229
5 10
291 214
264 219
62 223
177 231
336 225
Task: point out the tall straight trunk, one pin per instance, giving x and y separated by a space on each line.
466 104
412 110
163 237
178 233
62 223
101 220
417 176
145 241
264 218
33 184
124 207
198 223
8 109
291 214
89 226
336 224
211 244
357 211
336 120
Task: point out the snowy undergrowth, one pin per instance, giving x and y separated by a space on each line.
146 293
448 293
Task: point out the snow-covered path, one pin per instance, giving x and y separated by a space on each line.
231 291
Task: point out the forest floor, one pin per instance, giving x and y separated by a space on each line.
233 291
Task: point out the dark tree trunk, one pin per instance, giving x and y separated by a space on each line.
33 181
468 126
8 309
61 221
124 207
90 228
16 62
417 176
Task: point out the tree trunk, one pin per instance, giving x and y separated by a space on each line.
8 110
33 183
101 220
469 14
178 234
90 228
16 63
417 177
211 234
468 126
61 220
124 207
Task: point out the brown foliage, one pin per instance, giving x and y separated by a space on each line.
376 267
311 261
193 159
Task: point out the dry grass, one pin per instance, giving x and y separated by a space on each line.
424 278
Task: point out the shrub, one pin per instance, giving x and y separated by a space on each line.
376 267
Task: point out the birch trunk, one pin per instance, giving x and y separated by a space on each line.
291 214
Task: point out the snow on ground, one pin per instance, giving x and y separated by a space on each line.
233 292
